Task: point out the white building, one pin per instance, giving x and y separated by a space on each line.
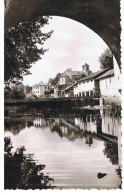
40 89
107 83
88 86
110 83
68 76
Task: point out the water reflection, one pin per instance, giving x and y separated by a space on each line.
91 141
15 126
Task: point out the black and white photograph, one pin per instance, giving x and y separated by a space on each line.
62 95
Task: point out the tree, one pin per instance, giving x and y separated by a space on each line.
111 152
28 89
106 59
55 80
23 47
17 94
14 93
22 171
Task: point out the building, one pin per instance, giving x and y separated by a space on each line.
110 83
69 79
86 70
89 86
69 76
109 88
69 90
41 89
107 83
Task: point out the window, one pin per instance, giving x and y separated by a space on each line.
106 84
91 93
108 128
87 93
110 80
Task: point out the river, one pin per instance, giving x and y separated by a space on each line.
76 149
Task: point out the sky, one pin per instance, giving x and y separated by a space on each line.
70 46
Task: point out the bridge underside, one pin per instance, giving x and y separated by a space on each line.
101 16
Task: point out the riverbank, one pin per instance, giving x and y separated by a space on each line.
63 106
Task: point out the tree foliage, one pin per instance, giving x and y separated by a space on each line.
106 59
55 80
111 152
21 170
16 92
28 89
24 46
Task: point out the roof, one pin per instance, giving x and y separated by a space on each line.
106 74
94 75
69 87
40 84
70 73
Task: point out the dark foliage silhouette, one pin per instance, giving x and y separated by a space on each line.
22 172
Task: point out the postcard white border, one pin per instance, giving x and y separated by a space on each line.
55 192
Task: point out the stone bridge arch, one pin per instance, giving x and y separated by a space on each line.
101 16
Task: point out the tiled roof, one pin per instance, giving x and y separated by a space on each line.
108 73
69 87
40 84
70 73
94 75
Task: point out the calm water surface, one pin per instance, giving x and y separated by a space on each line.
74 149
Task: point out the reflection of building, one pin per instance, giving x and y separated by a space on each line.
111 126
89 140
87 123
41 122
40 89
64 130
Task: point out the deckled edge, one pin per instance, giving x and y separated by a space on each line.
71 191
122 66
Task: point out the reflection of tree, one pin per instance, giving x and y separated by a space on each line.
111 151
119 173
22 172
29 124
15 126
88 140
114 111
57 128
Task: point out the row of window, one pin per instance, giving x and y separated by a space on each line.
84 94
46 87
36 92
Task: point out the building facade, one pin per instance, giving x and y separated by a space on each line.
41 89
88 86
69 76
109 84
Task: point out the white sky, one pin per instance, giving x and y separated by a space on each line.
70 46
